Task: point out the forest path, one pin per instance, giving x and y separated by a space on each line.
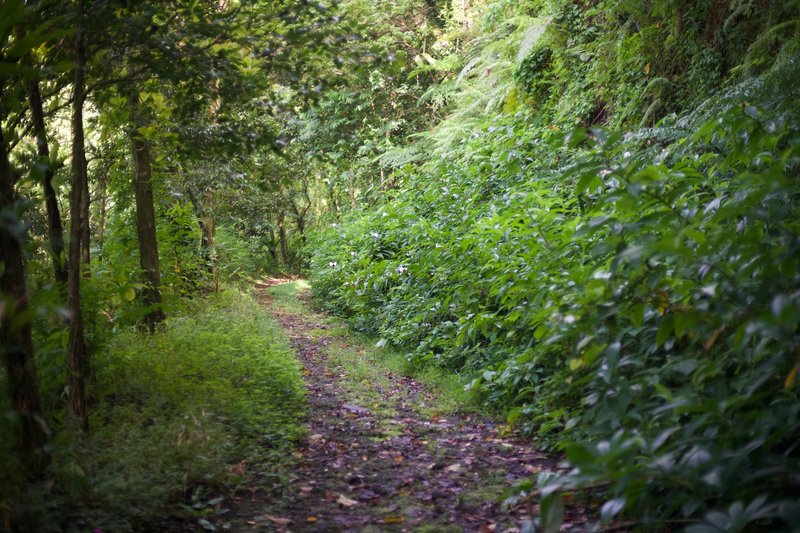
376 457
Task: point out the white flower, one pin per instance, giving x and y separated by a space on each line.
569 319
401 269
333 264
374 234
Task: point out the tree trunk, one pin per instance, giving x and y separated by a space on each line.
85 230
208 232
282 237
301 228
103 214
76 381
271 246
55 230
16 344
146 218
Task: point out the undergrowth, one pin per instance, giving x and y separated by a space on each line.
631 299
178 419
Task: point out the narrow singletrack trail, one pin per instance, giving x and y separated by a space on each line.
387 465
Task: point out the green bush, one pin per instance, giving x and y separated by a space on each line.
631 299
172 415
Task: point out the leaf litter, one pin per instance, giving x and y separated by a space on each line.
349 475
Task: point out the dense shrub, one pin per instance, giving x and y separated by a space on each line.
638 293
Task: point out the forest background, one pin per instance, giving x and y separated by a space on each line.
585 209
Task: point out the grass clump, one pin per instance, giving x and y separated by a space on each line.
178 419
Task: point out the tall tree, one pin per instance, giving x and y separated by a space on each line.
55 230
145 213
78 364
15 330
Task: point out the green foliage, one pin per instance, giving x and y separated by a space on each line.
242 256
631 299
173 415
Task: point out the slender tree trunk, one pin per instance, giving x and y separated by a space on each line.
301 228
146 218
76 381
16 344
55 230
282 236
271 247
103 214
208 232
85 229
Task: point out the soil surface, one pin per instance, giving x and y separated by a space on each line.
359 470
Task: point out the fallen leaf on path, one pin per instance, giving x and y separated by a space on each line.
279 521
311 519
306 488
345 501
355 409
315 437
393 520
453 468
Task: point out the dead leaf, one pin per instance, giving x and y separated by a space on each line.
393 520
315 437
532 469
345 501
791 378
453 468
311 519
278 520
355 409
306 488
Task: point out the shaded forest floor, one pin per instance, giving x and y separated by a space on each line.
381 452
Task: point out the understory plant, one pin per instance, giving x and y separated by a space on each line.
631 299
179 418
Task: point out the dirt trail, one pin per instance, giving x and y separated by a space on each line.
359 471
